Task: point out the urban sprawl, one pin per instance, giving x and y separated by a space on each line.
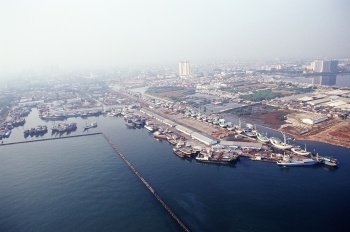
210 113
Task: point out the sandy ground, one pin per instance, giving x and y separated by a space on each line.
338 134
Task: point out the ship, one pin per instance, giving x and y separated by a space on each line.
7 133
64 127
159 135
286 161
222 157
129 124
299 151
262 138
282 145
40 130
186 150
71 127
328 161
91 125
172 141
250 133
178 153
26 133
149 127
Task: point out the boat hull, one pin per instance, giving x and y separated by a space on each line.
290 164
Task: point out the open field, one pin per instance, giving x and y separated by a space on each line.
171 92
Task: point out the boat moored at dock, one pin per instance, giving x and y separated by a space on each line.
299 151
150 128
287 161
282 145
262 138
328 161
90 125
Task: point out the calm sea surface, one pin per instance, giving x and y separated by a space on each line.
80 184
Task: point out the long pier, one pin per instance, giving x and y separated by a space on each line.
148 186
47 139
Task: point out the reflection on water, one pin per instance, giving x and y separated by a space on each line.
328 80
340 80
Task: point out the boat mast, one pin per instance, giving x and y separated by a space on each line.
284 138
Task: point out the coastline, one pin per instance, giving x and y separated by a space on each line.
309 138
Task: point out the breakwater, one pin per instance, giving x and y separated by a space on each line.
148 186
47 139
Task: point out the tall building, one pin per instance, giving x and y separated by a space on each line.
324 66
184 69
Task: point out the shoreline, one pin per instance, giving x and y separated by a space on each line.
301 138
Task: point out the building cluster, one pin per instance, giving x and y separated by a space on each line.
323 66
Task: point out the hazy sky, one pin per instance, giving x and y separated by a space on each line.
83 33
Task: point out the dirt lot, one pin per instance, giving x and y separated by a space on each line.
268 119
264 115
339 134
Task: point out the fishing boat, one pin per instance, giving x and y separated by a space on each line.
178 153
90 125
328 161
130 124
239 127
26 133
221 157
302 162
299 151
172 141
282 145
250 133
287 161
149 128
186 150
159 135
262 138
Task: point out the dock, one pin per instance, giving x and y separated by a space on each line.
47 139
148 186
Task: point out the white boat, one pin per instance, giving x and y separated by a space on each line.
91 125
262 138
277 143
111 114
149 127
299 151
302 162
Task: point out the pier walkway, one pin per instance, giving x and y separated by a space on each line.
47 139
148 186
